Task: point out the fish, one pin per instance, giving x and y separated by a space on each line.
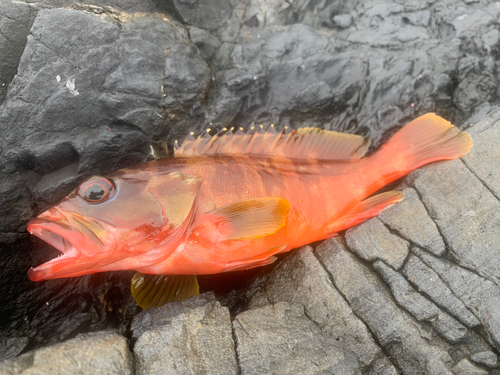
231 202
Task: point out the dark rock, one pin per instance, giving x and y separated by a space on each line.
281 339
206 43
189 337
15 22
12 346
91 353
207 15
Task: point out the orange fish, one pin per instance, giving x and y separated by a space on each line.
231 202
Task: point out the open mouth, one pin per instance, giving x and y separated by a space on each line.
52 233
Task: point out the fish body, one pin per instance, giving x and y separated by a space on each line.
233 202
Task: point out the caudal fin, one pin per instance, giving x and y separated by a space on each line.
424 140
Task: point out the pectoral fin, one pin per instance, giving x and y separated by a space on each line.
249 219
366 209
157 290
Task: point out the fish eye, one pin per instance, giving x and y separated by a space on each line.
95 189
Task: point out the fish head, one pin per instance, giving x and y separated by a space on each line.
129 220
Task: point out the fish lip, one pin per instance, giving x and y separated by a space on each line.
57 235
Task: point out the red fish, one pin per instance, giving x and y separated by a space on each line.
232 202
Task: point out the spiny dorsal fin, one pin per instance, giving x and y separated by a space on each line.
303 143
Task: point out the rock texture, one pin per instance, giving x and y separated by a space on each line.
87 89
91 353
281 339
189 337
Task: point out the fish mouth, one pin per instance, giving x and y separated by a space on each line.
59 236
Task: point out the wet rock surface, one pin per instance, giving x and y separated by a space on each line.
87 89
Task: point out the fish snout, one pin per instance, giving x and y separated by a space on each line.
52 214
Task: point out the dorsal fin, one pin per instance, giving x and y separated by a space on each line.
303 143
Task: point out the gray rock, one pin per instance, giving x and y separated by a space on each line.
466 213
206 43
428 282
421 308
12 346
281 339
486 358
189 337
394 329
464 367
371 240
342 20
90 353
485 155
382 366
302 279
477 293
411 221
208 15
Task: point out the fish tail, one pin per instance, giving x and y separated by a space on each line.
424 140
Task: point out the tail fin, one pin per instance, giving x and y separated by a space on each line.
424 140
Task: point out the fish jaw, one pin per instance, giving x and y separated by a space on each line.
74 237
55 235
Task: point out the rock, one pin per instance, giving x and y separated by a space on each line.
12 346
371 240
466 212
421 308
97 86
91 353
477 293
281 339
394 329
485 154
302 279
464 367
206 43
428 282
486 358
189 337
342 20
412 222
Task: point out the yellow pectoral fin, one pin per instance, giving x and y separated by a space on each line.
248 219
157 290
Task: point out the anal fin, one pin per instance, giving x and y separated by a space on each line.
157 290
366 209
262 259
